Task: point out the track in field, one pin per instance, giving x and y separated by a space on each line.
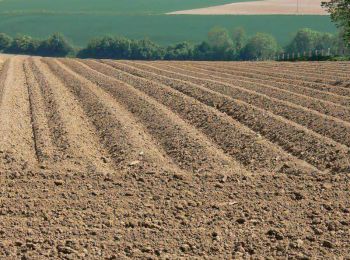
89 121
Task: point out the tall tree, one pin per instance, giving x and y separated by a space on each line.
340 14
220 42
239 38
260 46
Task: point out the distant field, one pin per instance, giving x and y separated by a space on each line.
81 20
105 6
312 7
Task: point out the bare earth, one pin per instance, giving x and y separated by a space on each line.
264 7
105 159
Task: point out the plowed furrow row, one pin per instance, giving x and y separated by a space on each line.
299 141
327 126
187 147
293 68
235 139
278 74
245 81
331 80
3 74
328 67
42 135
315 76
235 71
123 138
74 143
325 107
17 146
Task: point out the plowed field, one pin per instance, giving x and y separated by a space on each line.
111 159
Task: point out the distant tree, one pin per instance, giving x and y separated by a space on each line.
261 46
325 41
23 44
304 40
107 47
239 39
307 40
180 51
339 45
146 50
55 46
5 41
340 14
220 42
203 51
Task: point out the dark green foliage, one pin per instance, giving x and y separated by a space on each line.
180 51
23 44
307 40
261 46
5 41
239 39
107 47
122 48
146 50
55 46
221 44
203 51
340 14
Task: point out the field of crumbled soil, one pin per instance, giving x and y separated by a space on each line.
104 159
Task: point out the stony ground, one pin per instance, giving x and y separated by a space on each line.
118 159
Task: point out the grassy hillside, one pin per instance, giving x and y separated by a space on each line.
109 6
81 20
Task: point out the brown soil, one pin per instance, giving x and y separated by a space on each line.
110 160
262 7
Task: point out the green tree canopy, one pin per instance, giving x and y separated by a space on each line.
23 44
146 50
56 45
260 46
340 14
180 51
239 38
5 41
220 42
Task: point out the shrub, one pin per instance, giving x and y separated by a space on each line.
5 41
55 46
261 46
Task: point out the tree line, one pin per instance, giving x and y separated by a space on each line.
221 44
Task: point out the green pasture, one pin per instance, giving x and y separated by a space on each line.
81 20
105 6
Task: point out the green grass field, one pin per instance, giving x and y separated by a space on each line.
81 20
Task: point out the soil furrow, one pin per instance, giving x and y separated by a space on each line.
75 145
324 107
234 138
295 68
246 68
236 80
17 148
42 136
331 127
187 148
3 75
235 71
330 79
303 143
